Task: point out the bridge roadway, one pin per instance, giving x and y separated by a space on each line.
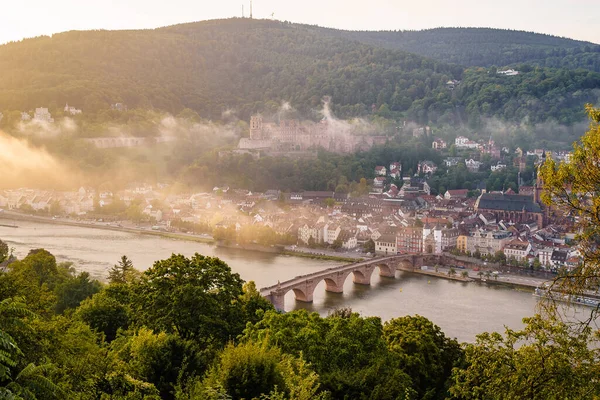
304 286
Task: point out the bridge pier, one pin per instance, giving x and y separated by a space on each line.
304 296
278 300
387 270
362 276
335 284
304 286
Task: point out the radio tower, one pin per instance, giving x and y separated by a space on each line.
242 11
250 9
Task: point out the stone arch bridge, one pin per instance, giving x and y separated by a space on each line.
304 285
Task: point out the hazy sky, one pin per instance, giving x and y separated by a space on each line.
577 19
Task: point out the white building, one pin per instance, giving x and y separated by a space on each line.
452 161
25 116
472 165
331 233
42 115
517 249
498 166
386 244
462 142
305 232
432 239
349 241
438 144
72 110
379 182
545 256
487 242
427 167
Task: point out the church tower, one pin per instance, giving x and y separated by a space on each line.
539 182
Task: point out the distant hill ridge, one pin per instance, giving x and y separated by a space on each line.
486 46
253 65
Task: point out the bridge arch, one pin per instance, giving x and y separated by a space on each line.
387 270
334 285
362 276
335 277
405 263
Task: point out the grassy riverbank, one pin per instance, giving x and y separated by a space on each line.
442 275
518 285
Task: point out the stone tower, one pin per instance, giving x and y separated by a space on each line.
256 127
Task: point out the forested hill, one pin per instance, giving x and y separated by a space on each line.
212 66
254 65
486 47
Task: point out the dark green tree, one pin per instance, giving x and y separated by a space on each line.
427 355
544 360
122 272
194 297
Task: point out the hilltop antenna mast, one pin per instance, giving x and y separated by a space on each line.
250 9
242 11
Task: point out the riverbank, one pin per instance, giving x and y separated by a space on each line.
442 275
522 285
12 216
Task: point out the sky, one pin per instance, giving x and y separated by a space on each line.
576 19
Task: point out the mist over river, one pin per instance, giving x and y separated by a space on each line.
462 310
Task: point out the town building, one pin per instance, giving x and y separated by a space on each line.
409 240
499 166
386 244
517 249
438 144
396 165
462 142
462 243
380 170
42 115
510 208
487 241
72 110
508 72
426 167
456 194
452 161
473 165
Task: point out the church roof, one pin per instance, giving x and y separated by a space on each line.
501 202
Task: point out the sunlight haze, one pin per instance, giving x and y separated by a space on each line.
575 19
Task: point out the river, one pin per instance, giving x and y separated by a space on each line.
462 310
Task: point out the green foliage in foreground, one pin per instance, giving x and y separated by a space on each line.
189 329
